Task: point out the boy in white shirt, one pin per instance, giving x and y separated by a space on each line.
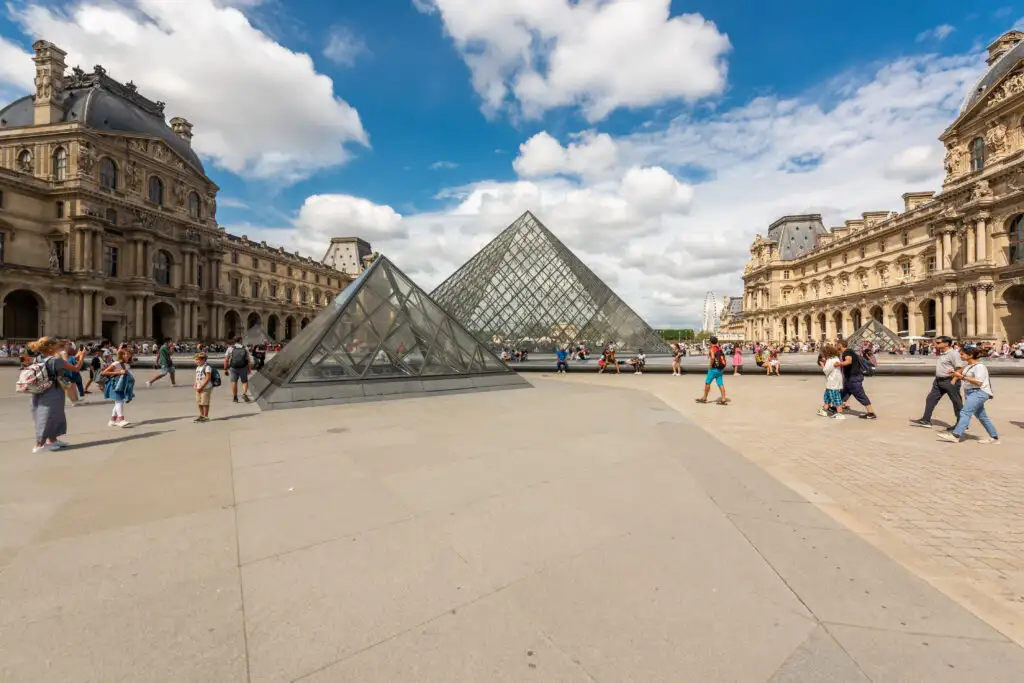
203 386
832 404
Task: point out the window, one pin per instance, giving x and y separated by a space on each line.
162 268
255 263
108 173
236 286
785 296
830 264
255 289
317 278
111 216
303 275
199 275
881 245
977 149
273 290
195 209
303 295
234 257
60 164
785 275
110 261
929 263
290 272
1 199
25 162
845 259
905 268
906 239
3 243
273 266
1017 239
156 190
289 294
60 209
863 252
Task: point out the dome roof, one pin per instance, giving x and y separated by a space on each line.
999 66
105 105
796 235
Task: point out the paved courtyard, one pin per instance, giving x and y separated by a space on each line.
589 529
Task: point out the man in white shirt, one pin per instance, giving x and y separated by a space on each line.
944 383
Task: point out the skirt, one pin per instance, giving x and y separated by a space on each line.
48 415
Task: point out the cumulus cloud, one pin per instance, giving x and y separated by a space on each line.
938 33
915 164
259 109
589 154
343 46
599 56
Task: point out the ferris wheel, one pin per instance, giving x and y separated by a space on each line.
712 314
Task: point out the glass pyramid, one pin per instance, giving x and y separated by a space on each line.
525 289
874 332
383 336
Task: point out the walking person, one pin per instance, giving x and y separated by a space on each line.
72 380
977 390
677 355
165 362
48 412
832 404
238 363
737 359
716 366
944 383
119 387
853 379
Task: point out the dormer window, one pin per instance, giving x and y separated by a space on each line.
977 150
156 190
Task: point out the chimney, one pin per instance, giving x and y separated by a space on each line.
50 67
912 200
1002 45
182 128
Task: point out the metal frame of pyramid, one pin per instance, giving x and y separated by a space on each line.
256 335
525 288
383 337
875 332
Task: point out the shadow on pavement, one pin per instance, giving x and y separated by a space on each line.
233 417
106 442
161 420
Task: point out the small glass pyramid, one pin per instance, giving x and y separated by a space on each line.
383 336
526 289
874 332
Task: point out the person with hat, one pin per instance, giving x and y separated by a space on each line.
204 387
945 383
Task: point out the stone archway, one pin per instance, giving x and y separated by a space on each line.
876 313
808 334
930 317
822 327
289 327
232 325
302 325
253 320
23 315
855 320
1013 323
273 323
901 316
837 321
165 321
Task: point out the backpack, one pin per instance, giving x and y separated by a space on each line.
214 377
34 379
866 368
718 359
239 357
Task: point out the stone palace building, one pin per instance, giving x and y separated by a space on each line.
950 263
108 225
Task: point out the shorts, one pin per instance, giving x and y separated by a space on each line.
714 375
833 397
238 374
203 397
166 370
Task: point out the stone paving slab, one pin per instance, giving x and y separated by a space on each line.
463 538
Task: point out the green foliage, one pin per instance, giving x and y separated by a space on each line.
677 335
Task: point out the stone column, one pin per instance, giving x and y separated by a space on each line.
972 331
147 260
86 314
947 313
830 325
186 323
983 304
971 241
939 256
947 250
137 265
218 318
139 324
97 311
195 320
97 251
79 250
981 234
147 312
913 313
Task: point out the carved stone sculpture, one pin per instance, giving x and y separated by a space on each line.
995 139
178 190
54 259
981 190
86 159
132 177
949 163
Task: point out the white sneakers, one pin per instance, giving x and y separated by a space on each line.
55 446
838 416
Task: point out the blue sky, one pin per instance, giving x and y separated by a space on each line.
427 125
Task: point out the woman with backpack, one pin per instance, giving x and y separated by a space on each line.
119 387
42 380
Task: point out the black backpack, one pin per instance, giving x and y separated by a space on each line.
866 368
239 357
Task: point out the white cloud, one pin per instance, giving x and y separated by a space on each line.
441 165
600 56
259 109
938 33
915 164
343 46
16 69
591 154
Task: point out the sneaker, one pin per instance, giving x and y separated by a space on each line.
123 423
245 397
822 412
869 416
59 444
204 419
40 449
112 423
149 384
989 440
52 447
921 423
198 419
949 436
838 416
234 399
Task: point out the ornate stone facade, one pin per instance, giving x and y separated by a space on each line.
108 225
950 263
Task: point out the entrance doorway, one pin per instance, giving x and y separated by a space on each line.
112 331
165 321
232 325
1014 321
21 315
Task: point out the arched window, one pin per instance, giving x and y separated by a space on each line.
25 161
108 173
289 294
1017 239
977 149
60 164
156 190
273 290
255 289
195 209
162 268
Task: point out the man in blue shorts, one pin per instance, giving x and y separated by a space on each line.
716 364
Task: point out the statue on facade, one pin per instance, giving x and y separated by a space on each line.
86 159
191 234
949 163
995 139
981 190
54 260
132 177
178 190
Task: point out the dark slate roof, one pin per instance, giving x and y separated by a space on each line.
735 306
995 72
105 105
796 235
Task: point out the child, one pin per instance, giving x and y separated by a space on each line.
833 402
977 390
204 387
120 387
